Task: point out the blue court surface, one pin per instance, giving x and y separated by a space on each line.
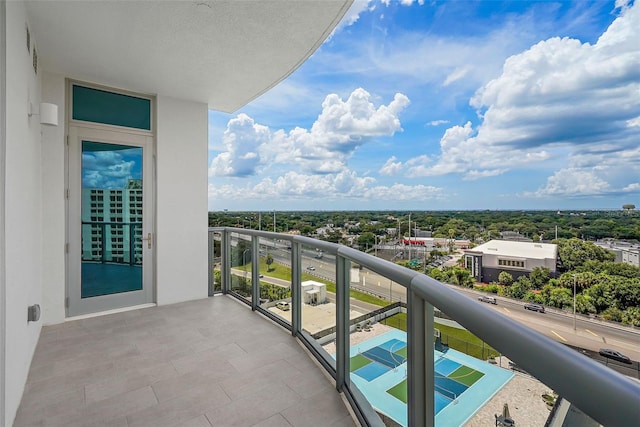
457 397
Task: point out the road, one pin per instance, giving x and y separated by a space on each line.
589 334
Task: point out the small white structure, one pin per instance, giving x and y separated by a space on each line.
314 292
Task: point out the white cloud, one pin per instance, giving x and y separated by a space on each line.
474 174
344 185
559 95
457 74
110 169
438 122
351 17
391 167
340 129
573 182
243 139
634 187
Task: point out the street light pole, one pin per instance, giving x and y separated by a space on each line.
244 263
574 302
375 246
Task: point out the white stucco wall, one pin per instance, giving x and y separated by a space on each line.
182 208
23 209
53 204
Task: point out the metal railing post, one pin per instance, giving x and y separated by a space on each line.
296 288
212 255
420 375
342 322
225 262
255 273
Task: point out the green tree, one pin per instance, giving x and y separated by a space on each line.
574 252
539 277
269 260
631 316
561 298
462 277
505 278
519 288
366 239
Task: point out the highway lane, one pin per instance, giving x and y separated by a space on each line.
558 325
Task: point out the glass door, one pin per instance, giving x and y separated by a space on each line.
110 222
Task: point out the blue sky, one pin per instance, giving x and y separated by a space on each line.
436 105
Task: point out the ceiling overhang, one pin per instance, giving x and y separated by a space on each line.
224 53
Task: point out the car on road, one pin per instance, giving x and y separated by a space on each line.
534 307
311 268
490 300
283 305
615 355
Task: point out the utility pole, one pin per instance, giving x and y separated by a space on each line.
574 302
409 237
259 220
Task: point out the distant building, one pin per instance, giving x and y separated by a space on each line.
422 233
517 258
625 252
514 236
112 224
435 243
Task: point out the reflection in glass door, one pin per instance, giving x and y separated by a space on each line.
111 219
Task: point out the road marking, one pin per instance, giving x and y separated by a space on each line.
595 335
506 309
558 335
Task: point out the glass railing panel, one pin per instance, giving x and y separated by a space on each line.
215 262
241 265
275 277
378 343
318 293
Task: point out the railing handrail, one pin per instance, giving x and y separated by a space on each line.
572 375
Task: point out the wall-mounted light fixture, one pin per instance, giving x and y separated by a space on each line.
48 113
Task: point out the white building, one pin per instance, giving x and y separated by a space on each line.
313 292
625 252
112 221
122 74
517 258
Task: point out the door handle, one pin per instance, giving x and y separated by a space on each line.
148 240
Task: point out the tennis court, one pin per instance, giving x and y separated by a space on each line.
463 384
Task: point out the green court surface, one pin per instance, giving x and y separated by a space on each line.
357 362
399 391
402 352
466 375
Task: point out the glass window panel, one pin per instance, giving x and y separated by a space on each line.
99 106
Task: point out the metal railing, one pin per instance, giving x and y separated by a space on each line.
606 396
108 231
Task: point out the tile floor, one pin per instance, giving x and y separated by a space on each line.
210 362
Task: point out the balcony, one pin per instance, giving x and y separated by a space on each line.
285 339
199 363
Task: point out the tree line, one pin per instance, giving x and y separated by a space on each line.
472 225
603 287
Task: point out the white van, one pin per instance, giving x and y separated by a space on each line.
283 305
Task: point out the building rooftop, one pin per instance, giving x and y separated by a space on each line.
533 250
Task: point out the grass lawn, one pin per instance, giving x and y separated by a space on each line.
466 375
357 362
282 272
458 339
399 391
402 352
